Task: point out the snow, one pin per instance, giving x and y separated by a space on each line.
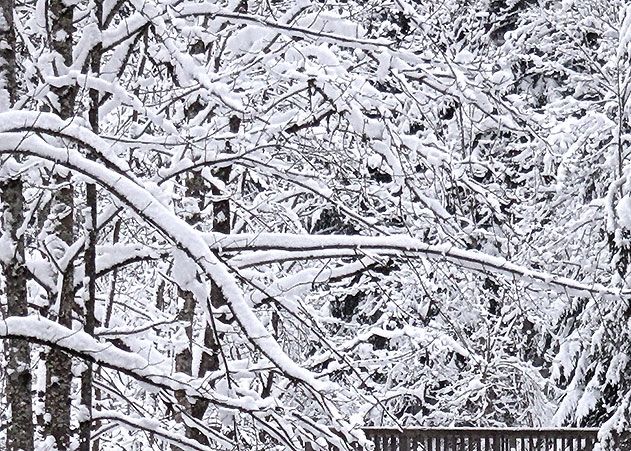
184 274
184 236
323 26
252 38
616 368
623 211
356 120
7 248
383 70
292 288
471 134
4 25
4 97
155 373
336 246
49 122
155 427
624 38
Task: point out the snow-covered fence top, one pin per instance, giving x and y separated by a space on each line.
483 439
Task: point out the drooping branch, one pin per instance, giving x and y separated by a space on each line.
79 344
154 427
344 246
273 248
145 205
190 9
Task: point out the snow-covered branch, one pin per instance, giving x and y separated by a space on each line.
145 205
273 248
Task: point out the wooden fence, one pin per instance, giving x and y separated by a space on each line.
482 439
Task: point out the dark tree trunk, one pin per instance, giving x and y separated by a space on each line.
7 56
222 224
195 188
209 361
59 364
90 254
18 381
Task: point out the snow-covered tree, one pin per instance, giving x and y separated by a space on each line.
264 224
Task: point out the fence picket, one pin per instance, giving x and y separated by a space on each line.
482 439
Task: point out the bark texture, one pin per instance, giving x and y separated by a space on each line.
195 187
59 364
18 381
8 83
18 389
90 256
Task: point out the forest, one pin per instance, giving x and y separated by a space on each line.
266 224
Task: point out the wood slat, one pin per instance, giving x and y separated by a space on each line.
404 444
482 439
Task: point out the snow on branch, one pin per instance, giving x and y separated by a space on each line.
53 125
188 9
80 344
286 247
154 426
189 240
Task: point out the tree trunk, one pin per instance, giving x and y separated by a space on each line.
18 381
90 255
184 359
221 224
8 84
59 364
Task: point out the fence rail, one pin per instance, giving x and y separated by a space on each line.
482 439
